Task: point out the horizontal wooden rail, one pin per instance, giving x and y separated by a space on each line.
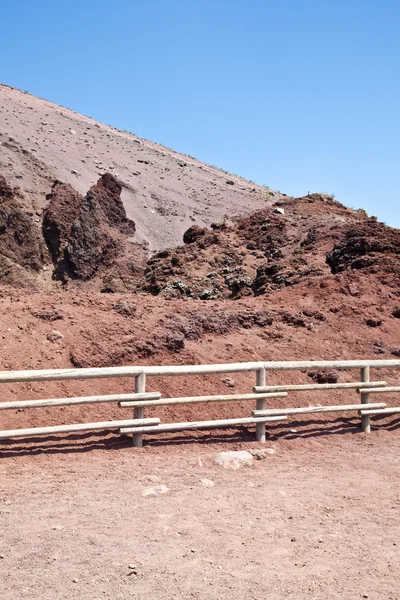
383 411
132 423
198 399
61 374
93 373
330 364
314 409
80 400
318 386
204 369
201 425
278 366
381 390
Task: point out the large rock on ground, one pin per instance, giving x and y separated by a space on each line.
63 209
234 459
107 194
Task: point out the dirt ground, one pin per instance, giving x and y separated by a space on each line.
317 519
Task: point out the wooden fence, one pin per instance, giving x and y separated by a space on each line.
261 393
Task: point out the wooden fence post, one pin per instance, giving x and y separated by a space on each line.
138 413
261 379
365 419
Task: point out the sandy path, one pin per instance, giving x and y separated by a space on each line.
317 520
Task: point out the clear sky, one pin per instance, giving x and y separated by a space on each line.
300 95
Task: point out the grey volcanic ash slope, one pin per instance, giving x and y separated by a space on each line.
163 191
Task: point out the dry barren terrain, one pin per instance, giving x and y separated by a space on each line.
116 251
318 519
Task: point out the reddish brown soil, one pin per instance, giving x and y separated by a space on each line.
317 519
112 329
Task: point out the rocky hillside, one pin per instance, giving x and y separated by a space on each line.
298 239
85 204
88 241
76 239
286 278
163 191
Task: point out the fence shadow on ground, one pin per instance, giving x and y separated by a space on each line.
67 444
81 443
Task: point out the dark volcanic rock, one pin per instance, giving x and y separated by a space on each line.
175 342
20 240
107 194
323 376
373 322
193 234
365 245
84 233
62 210
89 244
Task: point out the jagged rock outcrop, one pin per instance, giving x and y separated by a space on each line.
89 238
86 234
63 209
370 244
21 247
269 250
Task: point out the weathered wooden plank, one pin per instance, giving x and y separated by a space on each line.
370 390
365 420
303 387
261 380
80 400
138 413
202 424
199 399
92 373
61 374
313 409
383 411
203 369
330 364
33 431
271 365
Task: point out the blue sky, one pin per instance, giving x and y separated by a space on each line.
300 95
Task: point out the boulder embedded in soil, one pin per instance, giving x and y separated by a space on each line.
193 234
234 459
54 336
323 376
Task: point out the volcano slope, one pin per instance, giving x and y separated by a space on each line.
293 278
163 191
